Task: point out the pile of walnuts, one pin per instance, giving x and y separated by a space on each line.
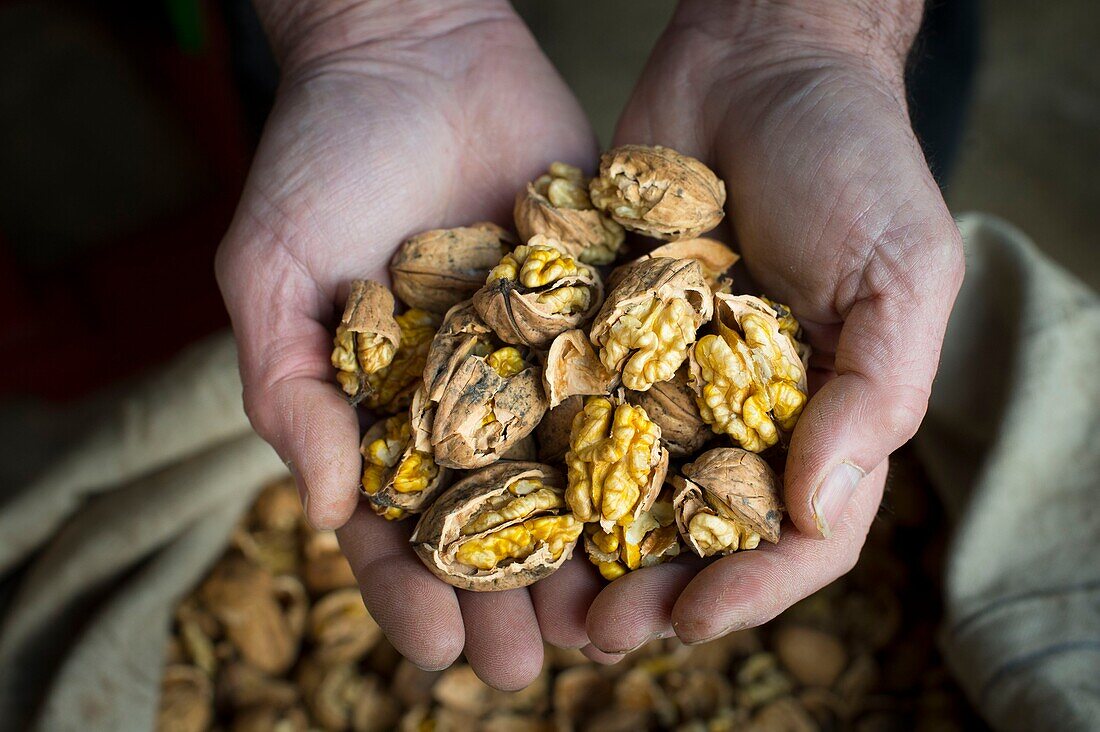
276 637
508 357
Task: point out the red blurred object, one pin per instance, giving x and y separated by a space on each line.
131 303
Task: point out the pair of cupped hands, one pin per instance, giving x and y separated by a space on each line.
397 117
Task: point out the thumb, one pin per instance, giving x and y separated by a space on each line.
285 371
886 359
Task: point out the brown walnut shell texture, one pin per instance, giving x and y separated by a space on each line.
573 369
369 309
461 386
715 258
436 536
459 439
671 404
741 481
658 192
437 269
517 317
421 415
578 230
554 429
462 331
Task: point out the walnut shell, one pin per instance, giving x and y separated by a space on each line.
385 497
573 368
367 337
553 431
530 316
584 231
461 437
715 258
243 597
439 536
186 700
340 627
671 405
658 192
666 295
462 332
437 269
737 487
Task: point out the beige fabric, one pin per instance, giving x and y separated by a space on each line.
1012 442
128 521
115 533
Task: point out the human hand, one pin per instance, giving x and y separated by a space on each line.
800 108
391 118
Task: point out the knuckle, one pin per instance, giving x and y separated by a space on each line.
903 412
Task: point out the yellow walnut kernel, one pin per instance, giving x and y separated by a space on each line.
564 186
717 534
501 527
410 474
537 266
752 383
390 389
558 205
650 539
366 338
653 337
615 462
506 361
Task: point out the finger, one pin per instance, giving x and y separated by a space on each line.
419 614
747 589
562 601
597 656
503 644
637 607
288 391
885 361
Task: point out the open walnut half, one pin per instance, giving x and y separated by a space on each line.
502 527
727 501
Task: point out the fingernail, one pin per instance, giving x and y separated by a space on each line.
833 495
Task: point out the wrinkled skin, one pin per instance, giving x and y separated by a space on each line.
836 215
802 114
373 139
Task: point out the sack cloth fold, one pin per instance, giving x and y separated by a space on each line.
98 550
1012 444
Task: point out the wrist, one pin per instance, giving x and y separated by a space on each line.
302 31
872 33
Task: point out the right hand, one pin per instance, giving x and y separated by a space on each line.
388 121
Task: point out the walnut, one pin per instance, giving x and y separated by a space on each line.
648 323
186 700
242 685
557 204
341 628
366 338
390 390
502 527
400 474
324 566
244 598
264 719
573 368
658 192
651 538
813 657
487 397
749 378
616 462
330 691
671 405
715 258
438 269
538 292
727 501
